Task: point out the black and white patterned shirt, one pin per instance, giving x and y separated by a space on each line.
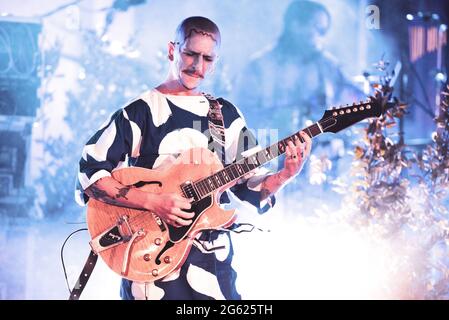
156 126
146 133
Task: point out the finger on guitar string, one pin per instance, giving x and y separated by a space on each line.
307 144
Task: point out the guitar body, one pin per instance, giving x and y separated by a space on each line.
137 244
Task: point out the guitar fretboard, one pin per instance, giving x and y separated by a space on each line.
238 169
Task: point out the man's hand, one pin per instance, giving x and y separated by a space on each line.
296 155
168 206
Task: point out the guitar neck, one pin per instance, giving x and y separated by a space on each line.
240 168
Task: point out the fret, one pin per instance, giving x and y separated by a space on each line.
234 171
246 168
202 187
239 169
195 187
206 186
221 178
230 172
217 179
225 175
211 183
200 191
308 132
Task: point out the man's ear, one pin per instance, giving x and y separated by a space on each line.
171 51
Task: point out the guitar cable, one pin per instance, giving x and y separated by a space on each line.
206 250
62 256
236 226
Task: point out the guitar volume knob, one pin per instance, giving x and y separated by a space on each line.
155 272
167 259
158 241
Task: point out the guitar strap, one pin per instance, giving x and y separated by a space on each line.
84 276
216 128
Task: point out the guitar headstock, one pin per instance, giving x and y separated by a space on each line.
338 119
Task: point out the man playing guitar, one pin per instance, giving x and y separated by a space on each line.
150 132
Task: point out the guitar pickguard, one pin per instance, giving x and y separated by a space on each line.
198 207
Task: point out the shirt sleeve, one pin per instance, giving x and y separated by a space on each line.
242 144
108 149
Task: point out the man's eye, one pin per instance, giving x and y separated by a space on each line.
188 54
208 59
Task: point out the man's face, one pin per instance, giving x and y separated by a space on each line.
195 59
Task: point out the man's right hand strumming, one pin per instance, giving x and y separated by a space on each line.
168 206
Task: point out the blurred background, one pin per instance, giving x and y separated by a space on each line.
364 220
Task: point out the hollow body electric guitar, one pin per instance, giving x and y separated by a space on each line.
139 246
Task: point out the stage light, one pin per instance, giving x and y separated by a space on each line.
409 17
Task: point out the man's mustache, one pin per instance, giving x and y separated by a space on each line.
193 73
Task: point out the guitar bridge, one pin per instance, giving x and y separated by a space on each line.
111 237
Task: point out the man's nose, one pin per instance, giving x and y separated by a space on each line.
198 63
